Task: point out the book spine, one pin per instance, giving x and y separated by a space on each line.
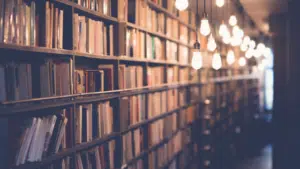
32 24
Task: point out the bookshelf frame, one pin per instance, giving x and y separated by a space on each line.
32 107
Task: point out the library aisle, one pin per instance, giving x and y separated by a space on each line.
149 84
262 160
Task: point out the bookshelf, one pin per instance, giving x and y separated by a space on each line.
115 103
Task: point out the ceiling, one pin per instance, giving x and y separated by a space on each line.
256 12
260 10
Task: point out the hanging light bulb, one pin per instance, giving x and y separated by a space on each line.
235 41
197 57
232 20
226 39
197 60
223 29
256 53
267 52
230 57
242 61
243 47
216 61
205 28
249 53
261 48
211 45
237 31
246 40
252 44
220 3
181 4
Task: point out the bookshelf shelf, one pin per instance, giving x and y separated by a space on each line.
164 92
161 9
161 35
79 8
88 145
34 49
94 56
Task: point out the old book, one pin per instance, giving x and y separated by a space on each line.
78 125
108 76
60 29
32 24
111 40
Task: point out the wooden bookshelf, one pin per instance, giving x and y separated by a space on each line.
178 95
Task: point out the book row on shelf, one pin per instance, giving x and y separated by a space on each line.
53 77
46 24
54 133
87 122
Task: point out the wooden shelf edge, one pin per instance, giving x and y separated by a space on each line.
35 49
89 11
158 34
84 146
20 107
161 9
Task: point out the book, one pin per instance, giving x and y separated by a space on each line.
92 36
40 137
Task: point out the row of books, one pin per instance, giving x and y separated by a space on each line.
31 23
18 24
159 157
133 110
54 24
155 76
92 36
185 16
183 56
172 74
100 157
182 97
101 6
130 77
184 75
142 45
93 121
52 78
41 137
140 13
132 145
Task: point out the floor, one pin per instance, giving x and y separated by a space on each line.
261 161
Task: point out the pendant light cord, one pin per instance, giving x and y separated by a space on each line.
205 6
197 21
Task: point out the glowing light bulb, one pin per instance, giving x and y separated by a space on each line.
249 53
256 53
220 3
235 41
181 4
267 52
223 29
232 20
226 39
252 44
261 48
205 28
246 40
216 61
244 47
242 61
230 57
197 60
211 45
